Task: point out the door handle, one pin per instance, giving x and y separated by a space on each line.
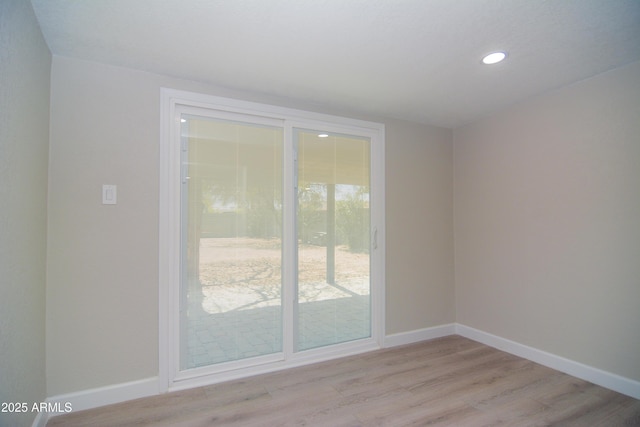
375 238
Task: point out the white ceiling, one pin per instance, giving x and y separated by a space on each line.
418 60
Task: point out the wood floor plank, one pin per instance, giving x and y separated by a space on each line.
449 381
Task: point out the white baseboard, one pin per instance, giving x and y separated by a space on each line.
40 420
93 398
597 376
418 335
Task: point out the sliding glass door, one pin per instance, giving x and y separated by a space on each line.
333 227
269 238
232 240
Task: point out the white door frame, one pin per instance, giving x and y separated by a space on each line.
170 378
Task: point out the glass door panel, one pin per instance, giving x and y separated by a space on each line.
333 226
231 287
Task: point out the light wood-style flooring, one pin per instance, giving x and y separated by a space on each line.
450 381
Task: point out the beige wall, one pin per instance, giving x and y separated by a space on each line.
25 63
547 222
419 189
102 295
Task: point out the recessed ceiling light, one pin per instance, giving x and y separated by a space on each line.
494 58
323 135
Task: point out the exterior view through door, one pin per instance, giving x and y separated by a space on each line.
277 236
333 238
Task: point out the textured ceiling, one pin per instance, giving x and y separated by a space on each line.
412 59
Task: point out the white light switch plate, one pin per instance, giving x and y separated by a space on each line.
109 194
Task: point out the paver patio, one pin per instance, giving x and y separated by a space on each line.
235 311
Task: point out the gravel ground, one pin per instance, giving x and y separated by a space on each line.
244 273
